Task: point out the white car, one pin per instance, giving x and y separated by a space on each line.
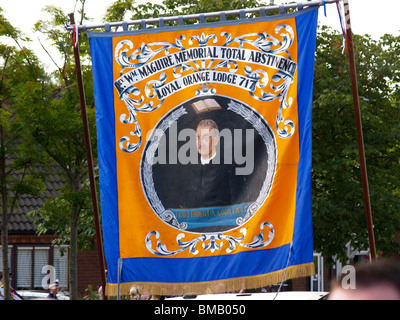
284 295
39 295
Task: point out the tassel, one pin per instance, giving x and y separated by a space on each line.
212 287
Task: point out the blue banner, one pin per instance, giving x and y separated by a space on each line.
204 146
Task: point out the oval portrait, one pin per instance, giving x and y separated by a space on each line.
209 164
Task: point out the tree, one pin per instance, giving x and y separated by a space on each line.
338 206
19 73
122 10
55 123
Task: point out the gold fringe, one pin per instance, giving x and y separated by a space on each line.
211 287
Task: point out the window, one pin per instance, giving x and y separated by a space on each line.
24 267
27 262
30 261
41 259
61 265
317 281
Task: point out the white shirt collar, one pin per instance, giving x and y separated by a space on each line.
208 160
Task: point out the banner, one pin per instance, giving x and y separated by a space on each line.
204 146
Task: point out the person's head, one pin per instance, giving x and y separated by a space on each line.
207 138
378 280
54 288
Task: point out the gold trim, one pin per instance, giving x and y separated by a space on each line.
210 287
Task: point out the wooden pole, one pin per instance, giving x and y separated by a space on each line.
89 156
360 139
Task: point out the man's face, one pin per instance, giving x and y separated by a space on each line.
207 139
55 290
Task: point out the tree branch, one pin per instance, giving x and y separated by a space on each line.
55 63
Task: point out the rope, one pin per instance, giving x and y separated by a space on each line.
284 275
75 35
345 38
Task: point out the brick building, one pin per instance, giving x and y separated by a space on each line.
29 254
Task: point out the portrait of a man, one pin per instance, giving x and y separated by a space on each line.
207 137
205 189
209 181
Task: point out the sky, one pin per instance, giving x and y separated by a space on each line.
367 17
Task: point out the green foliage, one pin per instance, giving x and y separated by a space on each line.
19 73
123 10
117 11
6 28
338 204
55 122
18 158
53 118
54 216
91 294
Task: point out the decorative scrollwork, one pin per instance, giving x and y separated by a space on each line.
133 58
212 242
143 54
203 39
169 217
265 41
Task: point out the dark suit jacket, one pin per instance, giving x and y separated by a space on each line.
213 185
198 186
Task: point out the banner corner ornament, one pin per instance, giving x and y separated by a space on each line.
204 145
